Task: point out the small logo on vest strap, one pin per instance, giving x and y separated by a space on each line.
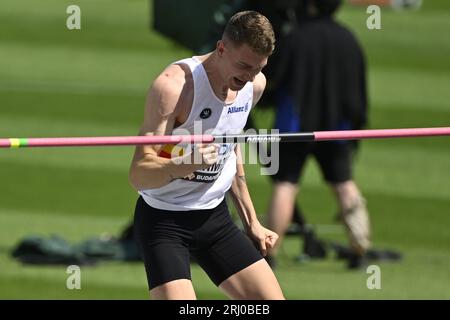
234 109
206 113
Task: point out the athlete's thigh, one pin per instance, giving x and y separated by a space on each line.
164 245
180 289
256 282
224 249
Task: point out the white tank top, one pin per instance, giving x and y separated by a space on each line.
205 189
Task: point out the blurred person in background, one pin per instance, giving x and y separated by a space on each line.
319 77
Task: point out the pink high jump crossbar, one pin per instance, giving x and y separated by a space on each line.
246 138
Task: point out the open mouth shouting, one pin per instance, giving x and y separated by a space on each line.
239 82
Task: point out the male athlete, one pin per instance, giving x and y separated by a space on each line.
181 211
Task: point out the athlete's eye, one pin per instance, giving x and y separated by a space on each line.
243 66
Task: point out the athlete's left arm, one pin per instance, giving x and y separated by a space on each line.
240 194
264 238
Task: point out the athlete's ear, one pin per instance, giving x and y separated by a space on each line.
220 47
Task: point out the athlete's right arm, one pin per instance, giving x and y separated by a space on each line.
148 170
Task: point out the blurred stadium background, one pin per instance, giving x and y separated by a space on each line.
56 82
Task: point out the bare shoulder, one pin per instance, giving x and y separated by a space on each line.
168 90
259 84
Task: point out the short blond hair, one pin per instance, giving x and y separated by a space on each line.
253 29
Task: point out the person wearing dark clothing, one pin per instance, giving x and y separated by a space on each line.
319 76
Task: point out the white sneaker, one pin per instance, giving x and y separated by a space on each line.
356 221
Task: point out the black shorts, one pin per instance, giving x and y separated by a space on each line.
334 158
169 238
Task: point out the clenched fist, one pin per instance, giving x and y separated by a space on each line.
208 154
202 156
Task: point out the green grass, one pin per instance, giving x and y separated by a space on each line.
55 82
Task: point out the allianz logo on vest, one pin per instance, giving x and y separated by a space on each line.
238 109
